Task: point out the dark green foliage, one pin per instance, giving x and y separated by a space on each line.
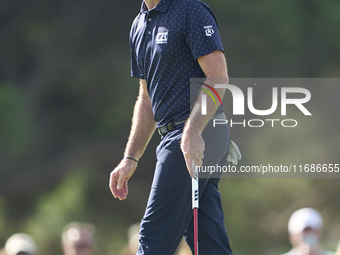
66 103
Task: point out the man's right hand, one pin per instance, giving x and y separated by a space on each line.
192 146
119 178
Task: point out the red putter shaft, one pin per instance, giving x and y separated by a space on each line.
195 206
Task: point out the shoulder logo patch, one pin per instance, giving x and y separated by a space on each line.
209 31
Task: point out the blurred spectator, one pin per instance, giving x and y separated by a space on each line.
338 250
78 239
183 248
305 229
20 244
133 240
133 235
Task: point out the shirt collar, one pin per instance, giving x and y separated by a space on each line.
161 7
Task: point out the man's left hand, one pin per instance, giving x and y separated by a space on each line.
234 153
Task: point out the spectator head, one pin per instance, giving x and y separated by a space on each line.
305 226
20 244
78 239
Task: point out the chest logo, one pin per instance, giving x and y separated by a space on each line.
162 37
209 31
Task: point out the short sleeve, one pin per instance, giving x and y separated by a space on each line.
201 29
135 67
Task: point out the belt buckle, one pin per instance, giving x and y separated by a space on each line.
170 126
165 129
162 130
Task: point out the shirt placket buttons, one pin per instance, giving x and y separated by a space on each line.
149 19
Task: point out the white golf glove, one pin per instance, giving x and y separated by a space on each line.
234 153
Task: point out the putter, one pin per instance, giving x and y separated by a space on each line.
195 206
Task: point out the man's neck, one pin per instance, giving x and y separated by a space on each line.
151 3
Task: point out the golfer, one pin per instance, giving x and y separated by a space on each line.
172 41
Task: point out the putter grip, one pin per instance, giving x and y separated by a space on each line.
195 193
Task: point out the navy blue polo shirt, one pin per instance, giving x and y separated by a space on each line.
165 44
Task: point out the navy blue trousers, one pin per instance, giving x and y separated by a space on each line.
169 216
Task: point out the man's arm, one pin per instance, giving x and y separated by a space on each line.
143 126
214 66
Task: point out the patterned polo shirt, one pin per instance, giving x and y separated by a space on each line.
165 45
